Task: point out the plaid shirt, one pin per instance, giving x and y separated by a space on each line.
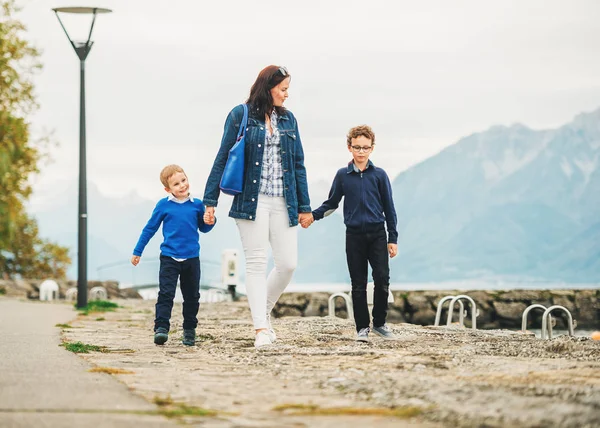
271 176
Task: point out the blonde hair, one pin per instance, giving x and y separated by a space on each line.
361 130
168 172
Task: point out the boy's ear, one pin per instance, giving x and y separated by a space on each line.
349 148
167 190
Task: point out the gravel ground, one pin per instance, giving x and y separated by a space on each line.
316 375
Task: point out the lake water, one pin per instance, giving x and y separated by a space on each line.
151 293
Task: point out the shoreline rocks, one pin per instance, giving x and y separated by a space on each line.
30 288
497 308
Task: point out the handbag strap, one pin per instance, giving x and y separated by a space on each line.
244 123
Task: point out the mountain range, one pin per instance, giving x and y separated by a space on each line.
509 202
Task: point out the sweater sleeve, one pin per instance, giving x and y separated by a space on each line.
158 215
385 188
335 196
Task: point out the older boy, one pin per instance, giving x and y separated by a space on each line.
368 206
181 216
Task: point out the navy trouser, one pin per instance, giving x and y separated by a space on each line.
188 273
362 249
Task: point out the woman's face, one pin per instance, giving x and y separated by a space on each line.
280 92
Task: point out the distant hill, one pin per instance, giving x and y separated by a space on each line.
510 202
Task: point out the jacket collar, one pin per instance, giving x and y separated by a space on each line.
252 113
353 168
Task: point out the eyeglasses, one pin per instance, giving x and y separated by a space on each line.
284 72
359 149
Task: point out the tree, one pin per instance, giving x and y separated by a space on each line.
22 251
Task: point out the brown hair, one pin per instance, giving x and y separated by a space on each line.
168 172
361 131
260 99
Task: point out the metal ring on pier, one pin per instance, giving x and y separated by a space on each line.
98 293
547 314
214 295
526 312
474 311
438 312
71 294
347 299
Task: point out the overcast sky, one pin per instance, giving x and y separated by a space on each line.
162 77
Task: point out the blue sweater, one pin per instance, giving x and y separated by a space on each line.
181 222
368 200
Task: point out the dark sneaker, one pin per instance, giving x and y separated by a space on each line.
161 335
363 335
189 337
385 332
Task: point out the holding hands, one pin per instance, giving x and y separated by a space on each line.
209 216
305 219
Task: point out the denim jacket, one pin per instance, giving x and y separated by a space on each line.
292 158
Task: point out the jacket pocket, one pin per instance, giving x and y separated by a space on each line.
290 139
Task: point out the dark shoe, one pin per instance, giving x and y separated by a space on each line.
385 332
363 335
161 335
189 337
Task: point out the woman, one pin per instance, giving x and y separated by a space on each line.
274 197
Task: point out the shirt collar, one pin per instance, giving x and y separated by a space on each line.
174 199
353 168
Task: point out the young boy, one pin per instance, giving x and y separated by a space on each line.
368 204
181 216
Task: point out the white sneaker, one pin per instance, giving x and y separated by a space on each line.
270 330
262 339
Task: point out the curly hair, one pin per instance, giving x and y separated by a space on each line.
361 131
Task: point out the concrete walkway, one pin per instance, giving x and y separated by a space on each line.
44 385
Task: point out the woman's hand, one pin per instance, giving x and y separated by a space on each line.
209 216
305 219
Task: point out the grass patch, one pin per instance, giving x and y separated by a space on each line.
101 319
171 409
303 407
2 291
120 351
110 370
97 306
183 410
205 337
163 401
63 326
311 409
82 348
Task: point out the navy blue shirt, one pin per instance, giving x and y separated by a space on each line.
181 222
368 200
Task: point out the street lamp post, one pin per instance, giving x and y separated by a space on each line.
82 49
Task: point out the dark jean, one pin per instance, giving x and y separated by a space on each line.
188 272
363 249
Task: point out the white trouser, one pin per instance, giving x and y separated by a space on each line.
270 226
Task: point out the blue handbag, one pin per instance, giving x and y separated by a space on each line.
232 180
